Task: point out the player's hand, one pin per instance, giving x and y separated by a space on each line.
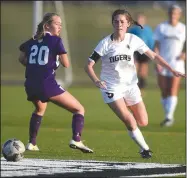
178 74
101 84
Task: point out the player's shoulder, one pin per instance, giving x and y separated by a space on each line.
132 28
24 45
27 42
182 25
106 39
132 39
54 38
131 36
147 27
163 24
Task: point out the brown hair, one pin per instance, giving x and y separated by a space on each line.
128 16
47 19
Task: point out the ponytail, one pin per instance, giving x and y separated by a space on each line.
40 31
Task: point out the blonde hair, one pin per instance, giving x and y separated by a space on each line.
47 19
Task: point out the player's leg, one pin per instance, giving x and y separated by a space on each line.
35 123
172 98
139 113
143 72
134 102
164 84
174 85
70 103
120 109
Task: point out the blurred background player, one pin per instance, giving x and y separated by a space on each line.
39 56
118 83
141 61
170 40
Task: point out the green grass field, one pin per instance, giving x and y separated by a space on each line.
103 131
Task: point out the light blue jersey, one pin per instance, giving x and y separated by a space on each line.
146 34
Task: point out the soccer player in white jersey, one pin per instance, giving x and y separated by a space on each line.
170 40
118 80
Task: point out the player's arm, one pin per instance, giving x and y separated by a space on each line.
23 58
183 54
157 51
90 71
63 58
159 60
156 47
61 52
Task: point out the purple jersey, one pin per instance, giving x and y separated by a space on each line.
42 57
41 65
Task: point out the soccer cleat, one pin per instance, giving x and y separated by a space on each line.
167 123
32 147
79 145
146 153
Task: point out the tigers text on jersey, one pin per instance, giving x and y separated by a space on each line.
171 40
118 68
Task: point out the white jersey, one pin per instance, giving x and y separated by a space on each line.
171 40
118 68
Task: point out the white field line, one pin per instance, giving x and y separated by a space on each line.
157 175
34 167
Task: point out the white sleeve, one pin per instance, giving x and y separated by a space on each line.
184 32
157 34
100 48
140 46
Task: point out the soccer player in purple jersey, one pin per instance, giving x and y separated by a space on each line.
41 55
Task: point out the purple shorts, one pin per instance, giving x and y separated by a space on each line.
42 92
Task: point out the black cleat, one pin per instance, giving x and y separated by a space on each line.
146 154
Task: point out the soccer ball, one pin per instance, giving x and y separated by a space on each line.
13 150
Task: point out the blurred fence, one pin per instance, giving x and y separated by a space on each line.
87 23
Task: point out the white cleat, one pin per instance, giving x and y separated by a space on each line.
79 145
32 147
167 123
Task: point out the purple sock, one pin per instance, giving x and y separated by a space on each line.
35 122
77 126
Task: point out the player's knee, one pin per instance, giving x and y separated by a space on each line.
80 110
39 112
143 123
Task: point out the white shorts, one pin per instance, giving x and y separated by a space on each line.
180 67
131 95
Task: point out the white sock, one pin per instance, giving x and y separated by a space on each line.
137 136
172 103
164 102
